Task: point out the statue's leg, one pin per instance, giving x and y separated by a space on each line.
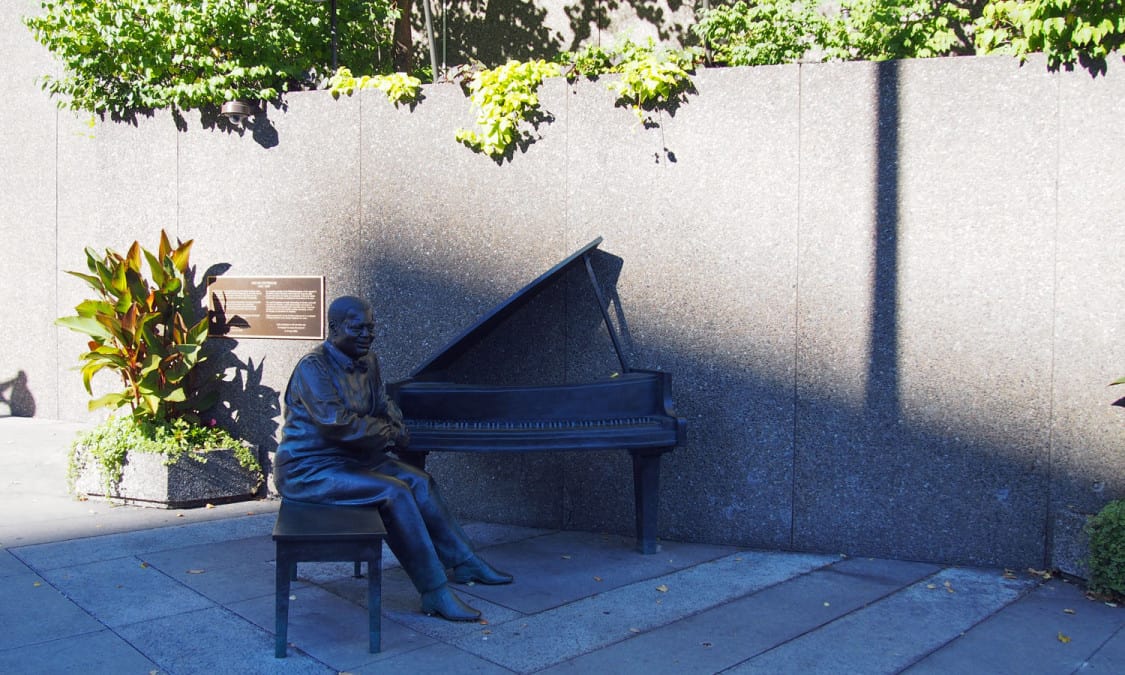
450 542
407 532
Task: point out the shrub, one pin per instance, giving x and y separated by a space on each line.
1107 549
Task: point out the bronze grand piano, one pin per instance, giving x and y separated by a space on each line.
631 410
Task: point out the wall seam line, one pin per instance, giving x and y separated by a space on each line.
1048 530
796 319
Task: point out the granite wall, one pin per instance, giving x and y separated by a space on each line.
888 293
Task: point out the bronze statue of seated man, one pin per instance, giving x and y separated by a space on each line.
340 429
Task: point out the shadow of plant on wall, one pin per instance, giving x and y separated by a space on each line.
16 396
586 16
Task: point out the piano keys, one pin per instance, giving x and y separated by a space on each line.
631 410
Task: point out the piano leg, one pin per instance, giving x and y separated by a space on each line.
415 458
646 495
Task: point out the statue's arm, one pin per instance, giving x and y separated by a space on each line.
319 393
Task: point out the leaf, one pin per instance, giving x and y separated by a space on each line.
196 572
144 565
597 578
1063 638
1069 611
663 588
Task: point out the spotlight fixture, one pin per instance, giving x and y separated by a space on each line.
236 112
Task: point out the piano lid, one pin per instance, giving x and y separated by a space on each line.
463 342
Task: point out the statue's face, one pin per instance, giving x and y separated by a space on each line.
354 334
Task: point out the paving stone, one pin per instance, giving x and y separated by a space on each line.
99 653
1052 629
562 633
730 633
891 634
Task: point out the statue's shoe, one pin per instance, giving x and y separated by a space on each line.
445 604
475 569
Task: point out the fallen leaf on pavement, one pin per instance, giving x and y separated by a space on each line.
634 630
196 571
1064 638
663 588
1068 611
597 578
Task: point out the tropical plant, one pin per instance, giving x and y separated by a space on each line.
144 329
119 57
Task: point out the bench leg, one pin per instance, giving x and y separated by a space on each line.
285 569
646 496
375 602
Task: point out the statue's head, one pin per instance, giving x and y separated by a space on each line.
351 326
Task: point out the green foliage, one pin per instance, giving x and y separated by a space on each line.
144 329
399 87
120 57
878 30
760 33
505 97
109 444
783 31
652 77
1067 31
1107 549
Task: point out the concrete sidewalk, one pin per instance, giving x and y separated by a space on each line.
86 587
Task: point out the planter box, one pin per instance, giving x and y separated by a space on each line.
147 481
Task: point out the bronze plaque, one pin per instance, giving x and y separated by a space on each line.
266 307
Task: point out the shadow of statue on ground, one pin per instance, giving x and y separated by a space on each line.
16 395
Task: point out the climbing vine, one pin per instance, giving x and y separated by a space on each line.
505 97
399 88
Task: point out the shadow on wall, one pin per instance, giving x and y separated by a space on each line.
16 396
494 31
760 469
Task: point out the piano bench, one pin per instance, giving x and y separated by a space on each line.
325 533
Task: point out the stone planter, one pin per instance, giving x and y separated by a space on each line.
147 481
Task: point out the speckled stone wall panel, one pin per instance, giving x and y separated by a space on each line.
701 208
117 185
29 378
1088 465
454 233
927 196
279 196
